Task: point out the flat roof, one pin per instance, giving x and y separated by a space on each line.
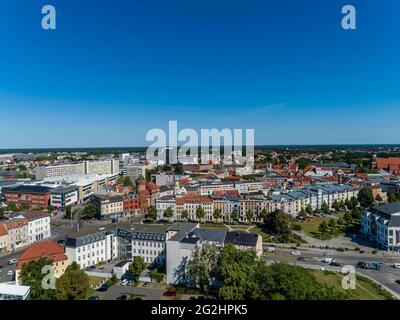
13 289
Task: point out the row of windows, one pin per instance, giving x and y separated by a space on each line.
149 244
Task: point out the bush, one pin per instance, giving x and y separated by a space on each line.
357 249
297 227
340 249
374 251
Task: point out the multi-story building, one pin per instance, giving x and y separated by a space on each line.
44 249
382 225
191 203
80 168
108 205
64 196
3 239
135 171
124 241
38 225
18 231
32 195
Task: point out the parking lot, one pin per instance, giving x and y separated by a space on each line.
132 292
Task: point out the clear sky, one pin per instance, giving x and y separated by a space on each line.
114 69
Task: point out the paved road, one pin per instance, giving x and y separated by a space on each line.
386 276
144 293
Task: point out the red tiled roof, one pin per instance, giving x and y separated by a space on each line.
3 230
42 249
152 186
219 193
17 223
193 198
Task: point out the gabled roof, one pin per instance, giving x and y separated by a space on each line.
242 238
42 249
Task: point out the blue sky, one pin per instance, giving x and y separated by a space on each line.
115 69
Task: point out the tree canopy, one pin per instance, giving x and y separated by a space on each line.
73 284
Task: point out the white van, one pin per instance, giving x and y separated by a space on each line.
12 261
327 260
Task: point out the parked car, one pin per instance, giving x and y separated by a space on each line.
334 264
397 281
396 265
302 259
94 298
12 261
124 282
269 249
327 260
61 241
170 293
296 253
10 273
145 284
122 297
103 287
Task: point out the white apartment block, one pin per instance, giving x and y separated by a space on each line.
79 168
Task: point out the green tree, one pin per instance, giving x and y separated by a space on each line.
234 215
394 197
168 213
202 267
32 275
378 198
302 212
309 209
347 217
335 205
200 213
263 214
185 214
249 215
178 169
325 207
12 207
332 224
137 266
356 214
73 284
217 214
24 206
2 212
157 276
279 223
50 208
90 212
365 198
126 181
152 213
323 228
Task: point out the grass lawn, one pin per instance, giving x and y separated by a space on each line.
95 280
266 237
310 226
365 288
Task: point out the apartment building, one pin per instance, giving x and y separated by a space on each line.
108 205
79 168
18 232
3 239
382 225
38 225
191 203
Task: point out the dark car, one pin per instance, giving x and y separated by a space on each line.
123 297
302 259
334 264
103 287
397 281
169 293
94 298
61 241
